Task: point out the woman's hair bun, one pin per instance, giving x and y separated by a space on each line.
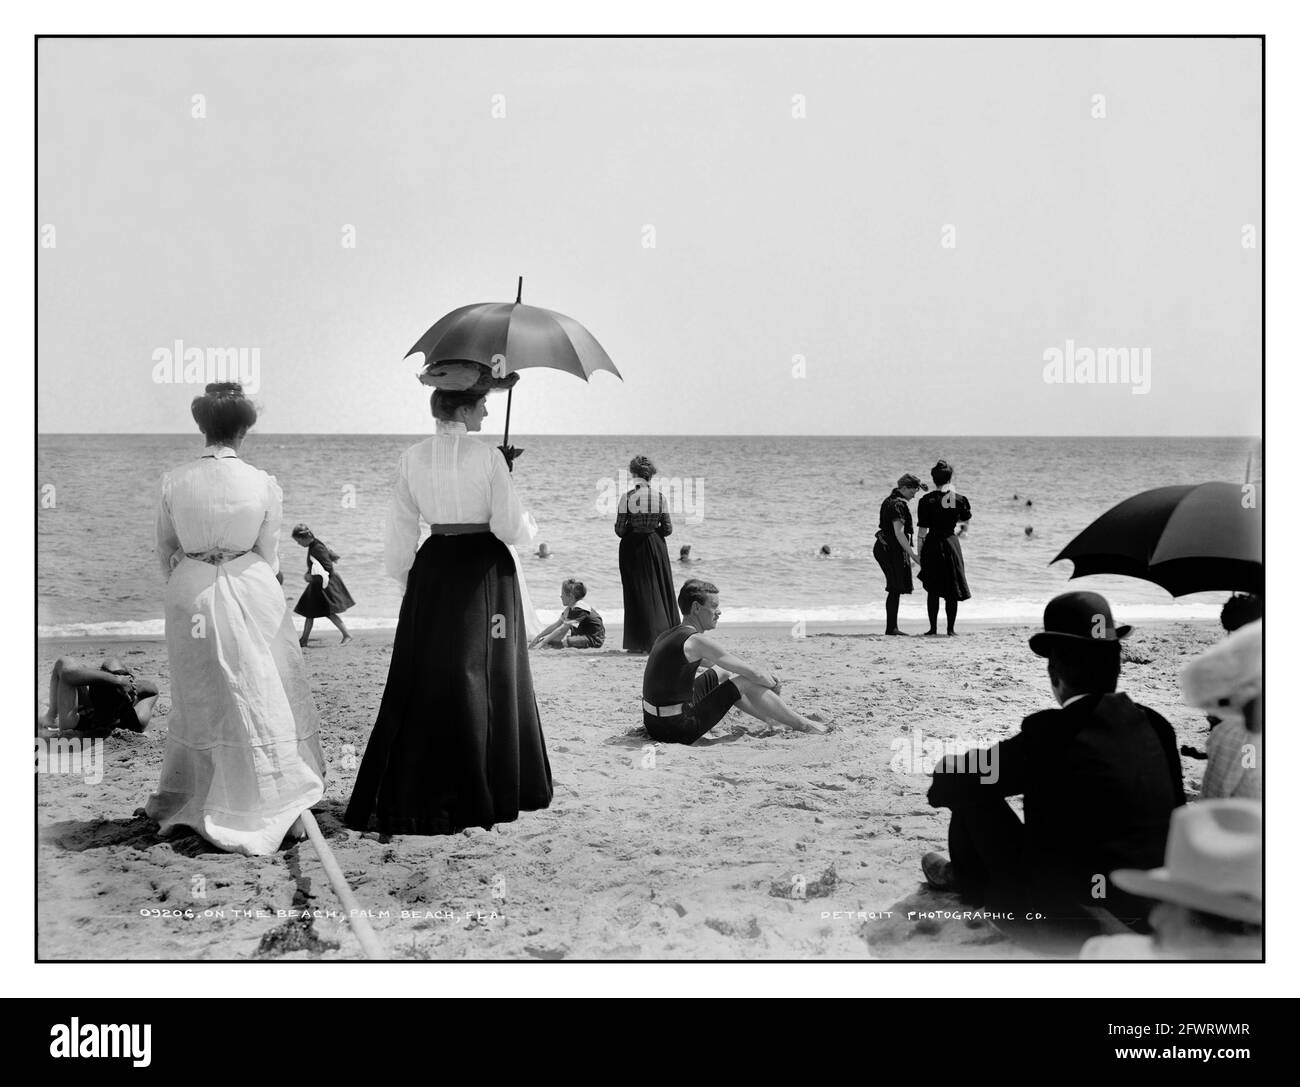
223 411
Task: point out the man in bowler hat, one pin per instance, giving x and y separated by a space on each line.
1100 777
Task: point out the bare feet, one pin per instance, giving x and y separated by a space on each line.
346 638
814 723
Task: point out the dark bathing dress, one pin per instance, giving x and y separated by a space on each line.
893 559
649 600
458 740
943 568
107 707
319 601
589 631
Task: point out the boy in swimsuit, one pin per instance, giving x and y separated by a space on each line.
678 706
578 627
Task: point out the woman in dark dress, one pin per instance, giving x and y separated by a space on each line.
318 600
941 520
458 741
649 602
893 549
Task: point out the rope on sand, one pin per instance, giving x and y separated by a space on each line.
356 915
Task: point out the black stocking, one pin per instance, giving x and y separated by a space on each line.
891 611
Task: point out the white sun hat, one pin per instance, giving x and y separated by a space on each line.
1214 861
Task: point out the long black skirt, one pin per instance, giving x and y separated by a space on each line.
649 600
943 568
458 741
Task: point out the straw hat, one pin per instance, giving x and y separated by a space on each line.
462 375
1214 861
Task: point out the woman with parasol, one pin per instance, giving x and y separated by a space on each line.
458 742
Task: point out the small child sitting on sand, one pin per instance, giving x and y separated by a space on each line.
578 627
93 701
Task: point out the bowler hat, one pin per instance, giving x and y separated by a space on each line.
1076 618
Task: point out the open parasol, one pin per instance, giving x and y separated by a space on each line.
506 337
1187 539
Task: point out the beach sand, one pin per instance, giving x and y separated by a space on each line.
696 853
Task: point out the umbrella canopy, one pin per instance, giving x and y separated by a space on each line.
513 337
508 337
1187 539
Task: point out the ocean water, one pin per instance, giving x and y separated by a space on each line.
756 511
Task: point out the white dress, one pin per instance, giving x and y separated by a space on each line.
453 478
243 757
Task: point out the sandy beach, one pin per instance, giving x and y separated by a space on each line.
661 852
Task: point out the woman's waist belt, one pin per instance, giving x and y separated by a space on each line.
662 711
457 529
215 556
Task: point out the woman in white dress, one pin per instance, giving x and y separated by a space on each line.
458 741
243 758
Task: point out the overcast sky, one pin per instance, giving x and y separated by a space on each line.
799 280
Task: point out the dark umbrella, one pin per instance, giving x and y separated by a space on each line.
1195 538
508 337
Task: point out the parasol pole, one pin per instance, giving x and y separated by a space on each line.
356 916
510 392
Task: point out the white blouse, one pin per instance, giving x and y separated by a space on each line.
218 502
451 478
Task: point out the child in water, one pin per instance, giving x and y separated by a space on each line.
578 627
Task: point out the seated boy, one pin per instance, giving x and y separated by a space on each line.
578 627
93 701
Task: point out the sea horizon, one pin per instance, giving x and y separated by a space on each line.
756 510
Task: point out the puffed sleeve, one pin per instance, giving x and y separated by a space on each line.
620 522
963 508
403 530
665 526
169 549
268 536
509 521
923 514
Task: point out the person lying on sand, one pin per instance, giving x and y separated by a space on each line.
1100 779
93 701
678 706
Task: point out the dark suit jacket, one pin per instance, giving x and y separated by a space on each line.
1100 779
